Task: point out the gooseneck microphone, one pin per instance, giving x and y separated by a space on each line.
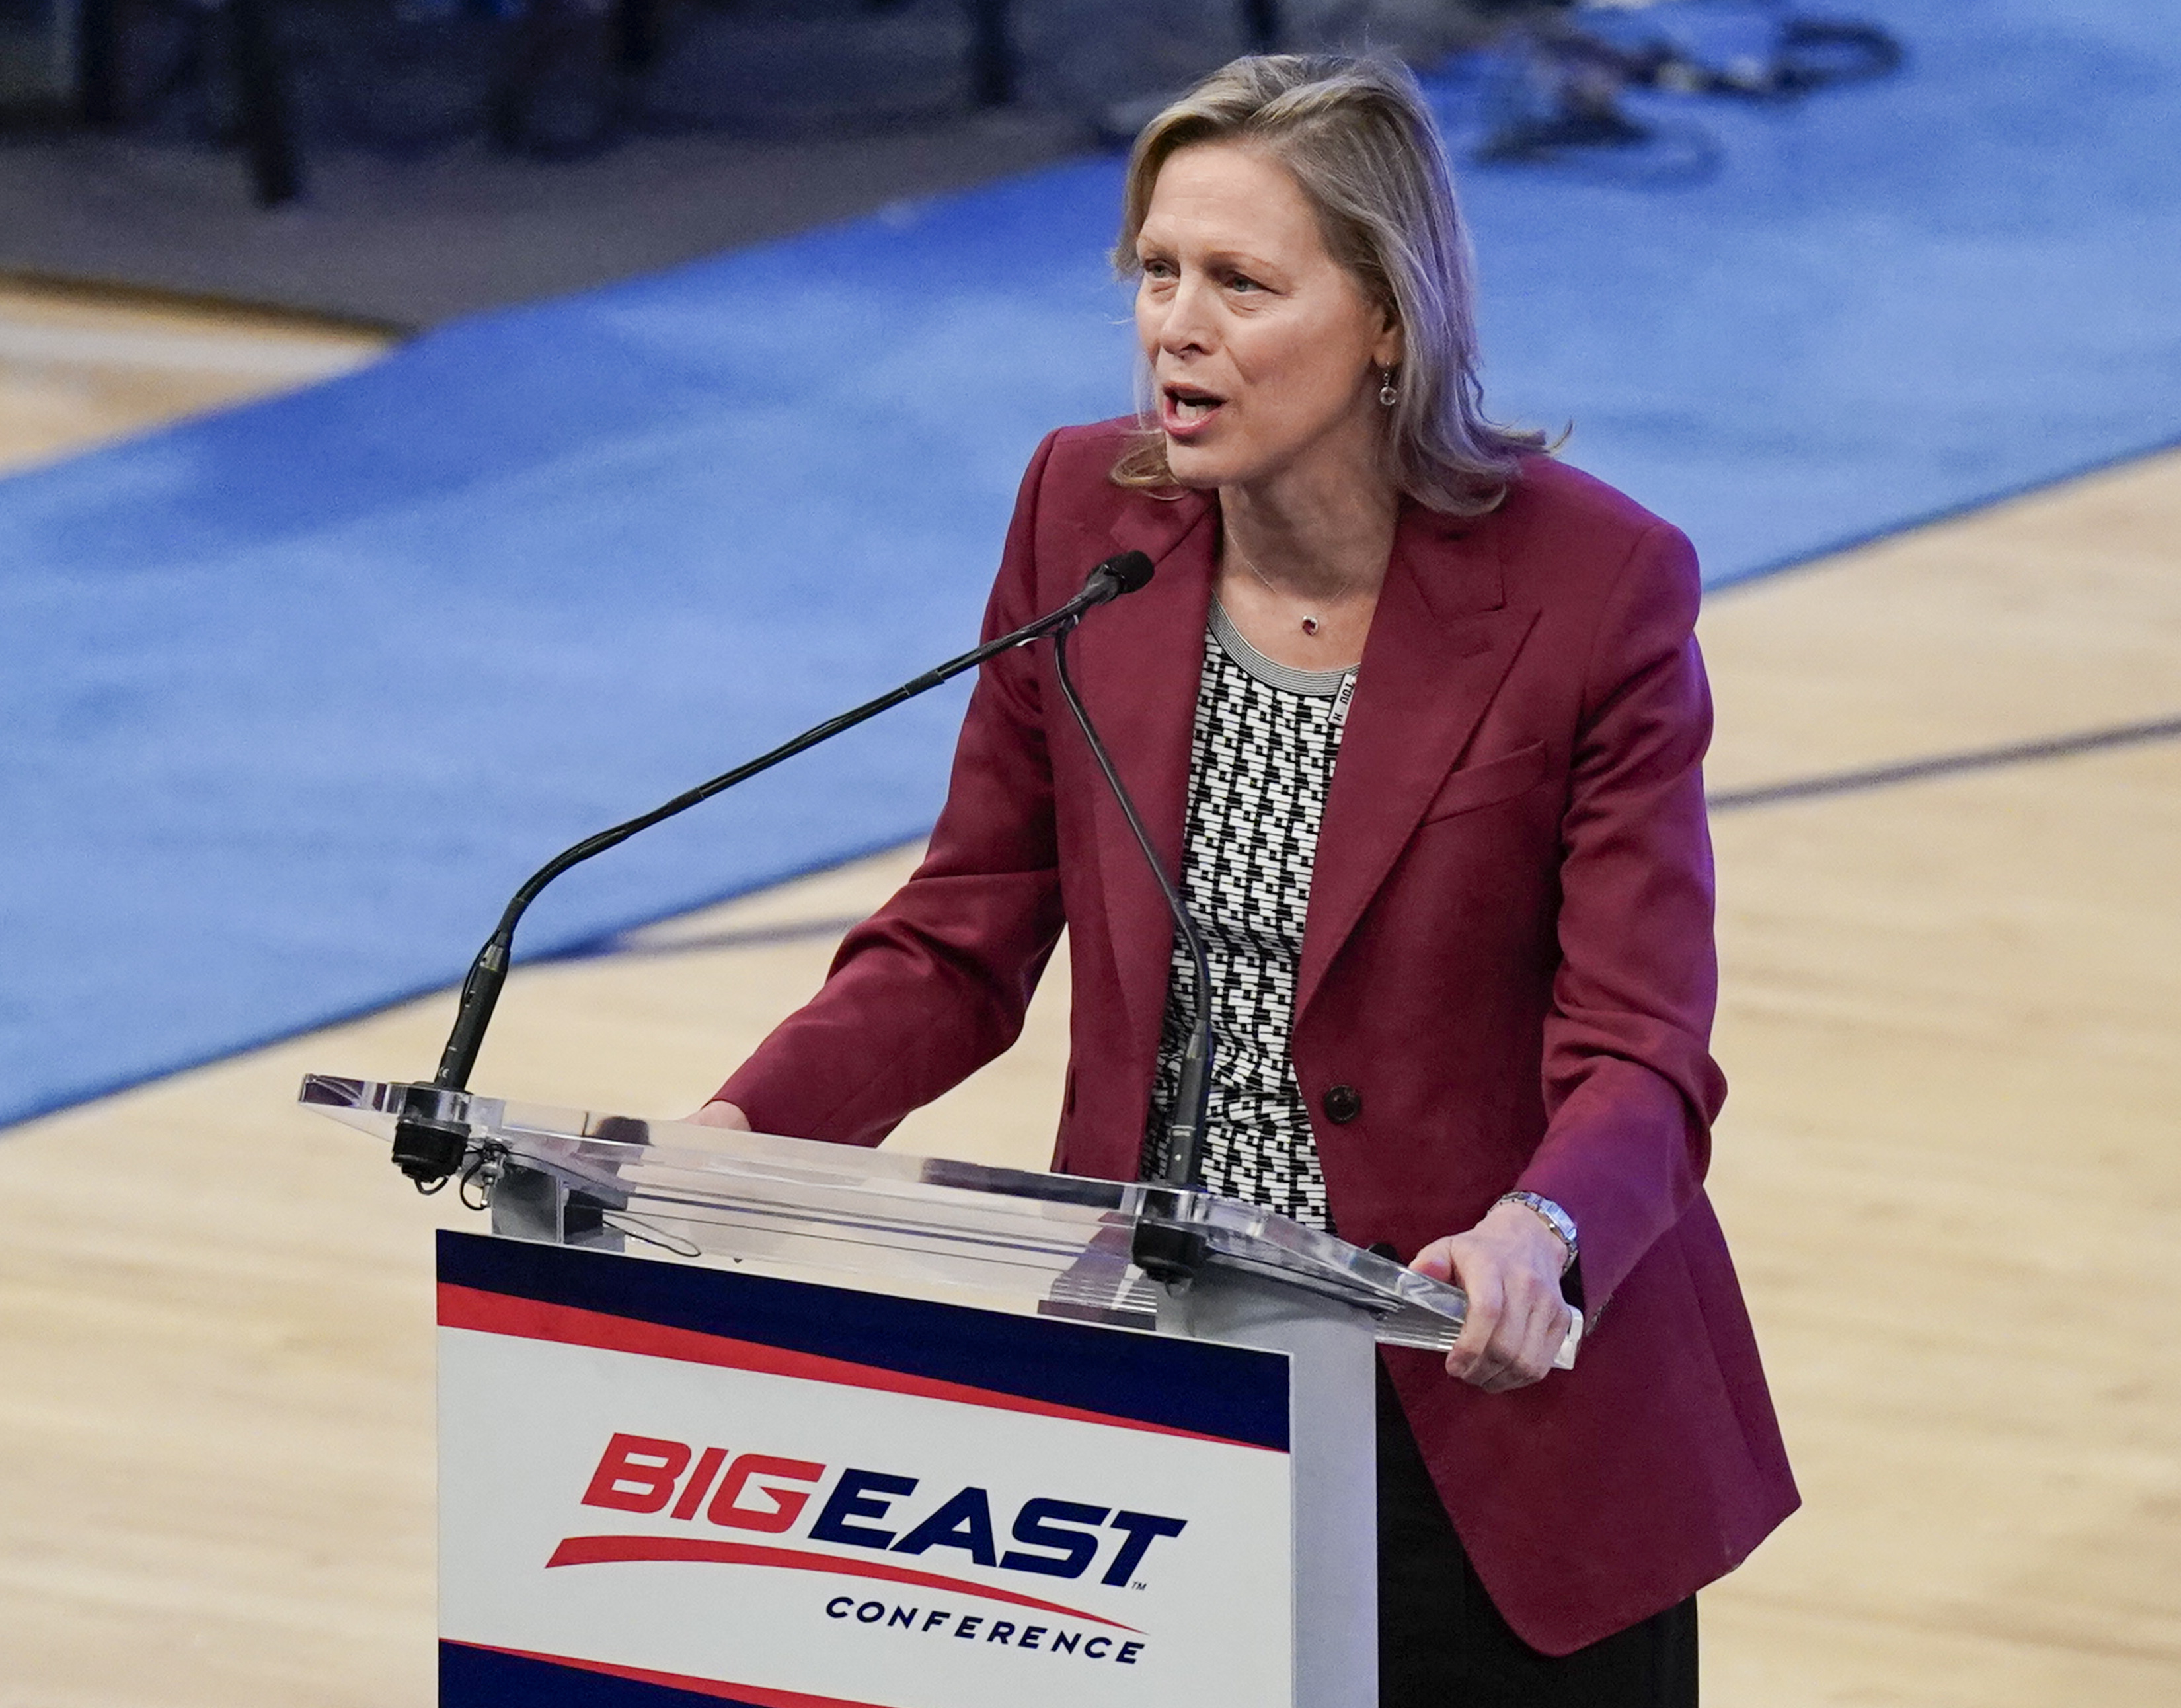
1192 1100
429 1149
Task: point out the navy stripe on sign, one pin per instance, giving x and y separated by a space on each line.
1236 1392
485 1678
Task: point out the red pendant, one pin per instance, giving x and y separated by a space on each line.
1310 625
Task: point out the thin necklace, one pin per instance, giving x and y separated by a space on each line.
1309 623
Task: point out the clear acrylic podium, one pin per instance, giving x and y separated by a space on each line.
760 1364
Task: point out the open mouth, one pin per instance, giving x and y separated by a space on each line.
1184 408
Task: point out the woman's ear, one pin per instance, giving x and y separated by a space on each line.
1391 347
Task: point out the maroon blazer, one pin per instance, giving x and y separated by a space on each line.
1507 961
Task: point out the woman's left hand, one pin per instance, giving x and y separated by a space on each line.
1510 1266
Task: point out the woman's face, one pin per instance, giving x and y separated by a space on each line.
1265 352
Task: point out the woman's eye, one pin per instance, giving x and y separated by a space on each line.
1158 269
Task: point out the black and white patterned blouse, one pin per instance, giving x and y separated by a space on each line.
1260 759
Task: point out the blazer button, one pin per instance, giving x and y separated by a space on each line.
1342 1104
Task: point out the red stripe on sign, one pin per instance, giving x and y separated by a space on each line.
757 1696
601 1551
533 1319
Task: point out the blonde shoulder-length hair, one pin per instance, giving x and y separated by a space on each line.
1357 137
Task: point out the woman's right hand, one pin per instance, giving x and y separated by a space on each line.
722 1114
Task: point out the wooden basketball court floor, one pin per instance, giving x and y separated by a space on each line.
1951 1164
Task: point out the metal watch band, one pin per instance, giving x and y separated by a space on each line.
1554 1217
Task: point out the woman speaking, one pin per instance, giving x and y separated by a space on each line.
1416 714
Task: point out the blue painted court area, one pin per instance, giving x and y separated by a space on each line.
294 696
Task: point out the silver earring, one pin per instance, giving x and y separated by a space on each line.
1388 397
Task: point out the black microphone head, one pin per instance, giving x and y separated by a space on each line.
1123 572
1130 571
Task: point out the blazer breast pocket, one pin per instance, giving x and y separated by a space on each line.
1474 786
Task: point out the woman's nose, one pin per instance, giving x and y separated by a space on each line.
1185 325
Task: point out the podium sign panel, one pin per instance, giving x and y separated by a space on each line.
697 1482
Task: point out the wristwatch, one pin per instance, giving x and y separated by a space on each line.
1554 1217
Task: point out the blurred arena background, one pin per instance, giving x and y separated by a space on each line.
407 409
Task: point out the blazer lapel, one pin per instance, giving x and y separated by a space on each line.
1137 664
1441 640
